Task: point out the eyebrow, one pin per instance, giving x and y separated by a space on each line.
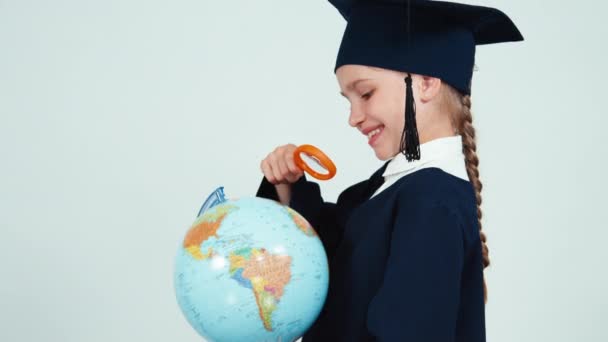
352 85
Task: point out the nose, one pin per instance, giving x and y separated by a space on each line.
356 116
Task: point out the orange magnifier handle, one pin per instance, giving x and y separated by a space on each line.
319 157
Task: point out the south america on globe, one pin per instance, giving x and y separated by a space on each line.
250 269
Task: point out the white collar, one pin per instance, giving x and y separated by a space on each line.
443 153
430 152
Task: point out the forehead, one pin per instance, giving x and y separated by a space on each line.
349 74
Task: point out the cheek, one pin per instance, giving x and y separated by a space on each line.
394 110
396 119
384 109
396 123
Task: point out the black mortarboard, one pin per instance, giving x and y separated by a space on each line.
432 38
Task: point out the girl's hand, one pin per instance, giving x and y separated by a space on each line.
279 167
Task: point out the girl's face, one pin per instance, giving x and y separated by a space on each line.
377 99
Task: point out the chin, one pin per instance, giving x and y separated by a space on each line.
383 154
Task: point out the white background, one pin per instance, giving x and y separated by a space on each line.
119 117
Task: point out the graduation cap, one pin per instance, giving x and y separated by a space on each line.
432 38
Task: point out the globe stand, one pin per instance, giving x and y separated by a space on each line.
216 197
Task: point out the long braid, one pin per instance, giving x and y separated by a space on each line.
469 147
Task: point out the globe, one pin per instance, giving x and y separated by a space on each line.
250 269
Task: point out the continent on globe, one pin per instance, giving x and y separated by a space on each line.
265 274
204 228
301 222
244 269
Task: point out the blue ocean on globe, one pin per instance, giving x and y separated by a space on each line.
250 269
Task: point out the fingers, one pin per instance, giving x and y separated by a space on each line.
279 166
291 164
294 172
267 171
274 165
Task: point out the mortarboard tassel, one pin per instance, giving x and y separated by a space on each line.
410 144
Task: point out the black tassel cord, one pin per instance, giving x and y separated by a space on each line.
410 143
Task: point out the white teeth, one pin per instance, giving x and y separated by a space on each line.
372 133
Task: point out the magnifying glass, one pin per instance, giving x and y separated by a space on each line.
319 157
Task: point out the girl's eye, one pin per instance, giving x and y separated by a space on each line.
367 95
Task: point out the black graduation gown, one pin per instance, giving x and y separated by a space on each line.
405 265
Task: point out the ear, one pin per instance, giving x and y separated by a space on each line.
428 88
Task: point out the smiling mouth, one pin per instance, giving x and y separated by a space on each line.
373 135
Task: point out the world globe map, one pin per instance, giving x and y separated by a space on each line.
251 270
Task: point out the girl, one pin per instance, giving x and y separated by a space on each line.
406 248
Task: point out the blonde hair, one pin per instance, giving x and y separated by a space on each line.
459 107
